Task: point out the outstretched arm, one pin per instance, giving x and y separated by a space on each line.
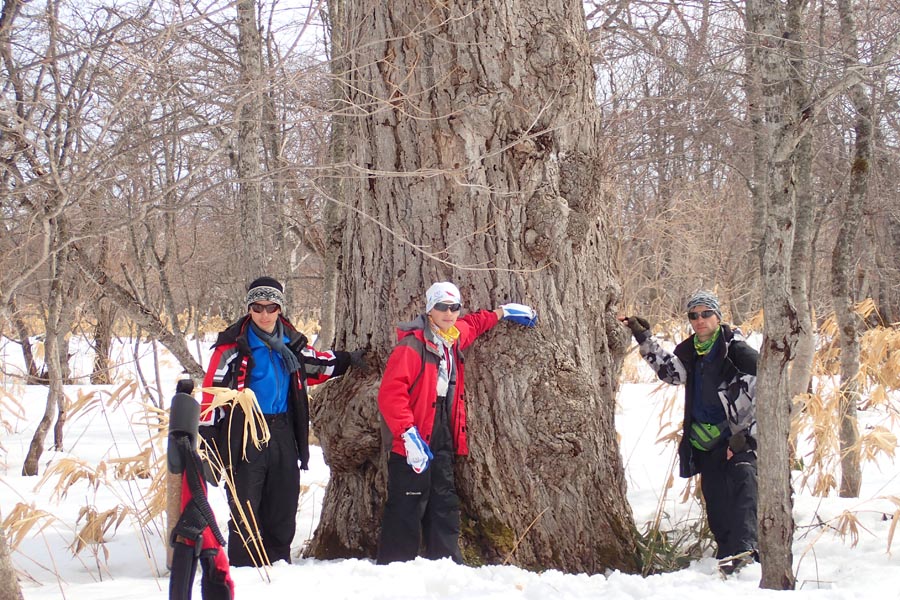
666 365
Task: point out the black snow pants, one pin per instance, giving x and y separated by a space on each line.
422 508
267 487
730 492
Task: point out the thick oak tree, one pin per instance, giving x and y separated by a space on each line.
472 154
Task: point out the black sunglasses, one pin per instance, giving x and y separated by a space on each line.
261 308
444 307
693 316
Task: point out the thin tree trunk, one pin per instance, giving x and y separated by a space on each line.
33 376
250 111
53 323
477 151
801 271
776 136
141 315
843 261
804 230
105 316
335 214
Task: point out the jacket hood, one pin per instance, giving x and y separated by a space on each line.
419 324
411 327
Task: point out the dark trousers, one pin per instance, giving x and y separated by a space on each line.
267 487
730 492
419 508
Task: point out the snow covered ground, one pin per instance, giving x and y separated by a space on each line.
130 565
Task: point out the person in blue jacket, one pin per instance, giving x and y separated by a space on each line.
263 351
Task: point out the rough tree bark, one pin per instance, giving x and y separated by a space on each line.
476 148
9 583
249 108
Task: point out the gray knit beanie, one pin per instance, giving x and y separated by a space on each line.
705 298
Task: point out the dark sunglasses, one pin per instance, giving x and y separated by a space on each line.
444 307
693 316
261 308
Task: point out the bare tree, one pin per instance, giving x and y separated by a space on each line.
842 267
249 107
776 129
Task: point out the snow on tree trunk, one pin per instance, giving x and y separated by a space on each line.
476 157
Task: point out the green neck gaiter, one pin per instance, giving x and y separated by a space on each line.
704 347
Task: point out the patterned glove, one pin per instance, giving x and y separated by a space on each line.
418 454
520 313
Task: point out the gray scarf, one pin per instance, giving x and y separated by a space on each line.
275 341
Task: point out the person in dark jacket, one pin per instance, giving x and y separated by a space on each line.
718 370
421 401
263 352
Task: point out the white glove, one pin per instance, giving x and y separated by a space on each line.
520 313
418 454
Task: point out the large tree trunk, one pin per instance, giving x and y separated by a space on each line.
477 148
843 263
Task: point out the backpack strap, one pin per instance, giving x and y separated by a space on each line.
411 341
419 346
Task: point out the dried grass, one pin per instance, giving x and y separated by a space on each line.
24 520
96 525
255 429
67 472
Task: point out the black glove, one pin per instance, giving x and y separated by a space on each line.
639 326
185 385
741 442
358 360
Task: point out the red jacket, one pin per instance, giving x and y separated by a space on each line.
409 386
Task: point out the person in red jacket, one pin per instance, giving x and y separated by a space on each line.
421 401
